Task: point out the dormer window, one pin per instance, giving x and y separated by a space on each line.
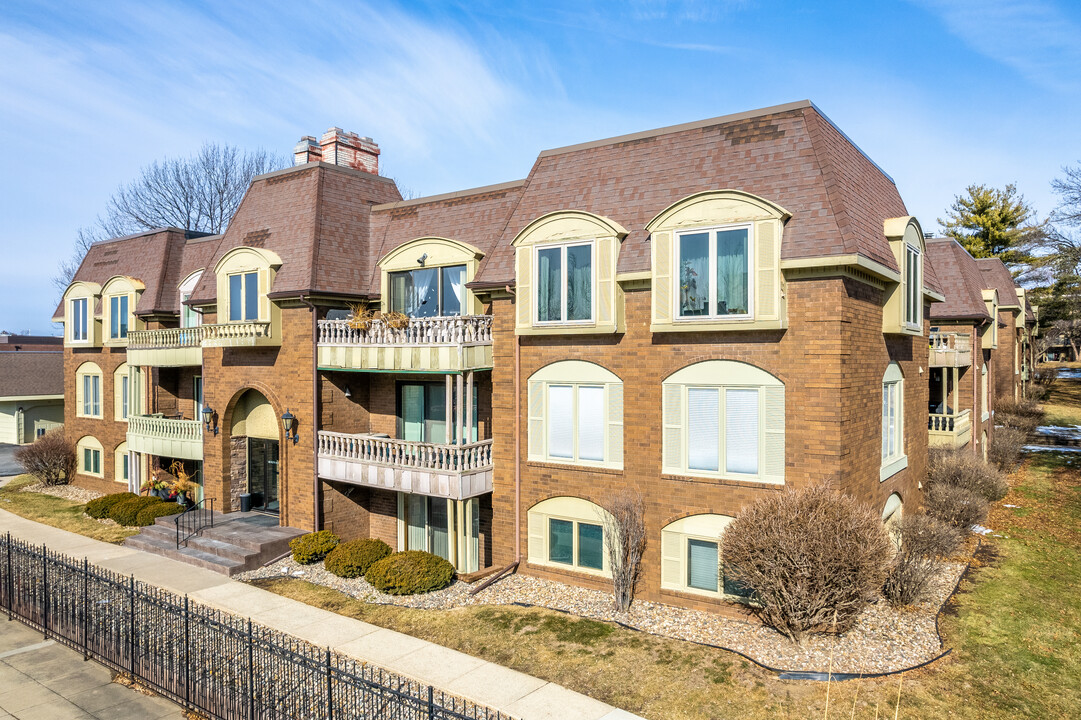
118 317
78 320
244 297
913 287
714 273
564 283
428 292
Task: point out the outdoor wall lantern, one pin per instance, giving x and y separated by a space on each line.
208 417
287 422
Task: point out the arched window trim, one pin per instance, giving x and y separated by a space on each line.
894 458
568 378
566 509
89 390
122 394
676 541
120 463
90 456
727 378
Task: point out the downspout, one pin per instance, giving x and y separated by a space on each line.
977 398
317 496
517 442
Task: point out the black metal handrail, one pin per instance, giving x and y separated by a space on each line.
193 520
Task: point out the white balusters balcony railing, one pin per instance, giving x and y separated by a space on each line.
454 471
950 349
445 344
235 334
166 437
166 338
950 430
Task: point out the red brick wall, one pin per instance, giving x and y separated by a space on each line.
108 431
831 358
1004 359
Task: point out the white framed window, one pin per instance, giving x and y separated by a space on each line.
428 291
568 532
88 391
913 287
893 422
121 393
691 559
564 282
724 419
985 396
197 395
576 415
121 460
118 317
89 451
79 320
715 273
244 296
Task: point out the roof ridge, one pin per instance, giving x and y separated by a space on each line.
449 195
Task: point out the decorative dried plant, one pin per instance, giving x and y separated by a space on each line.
396 320
360 316
183 482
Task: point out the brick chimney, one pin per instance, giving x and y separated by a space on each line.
339 147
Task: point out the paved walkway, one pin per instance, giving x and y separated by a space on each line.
511 692
41 679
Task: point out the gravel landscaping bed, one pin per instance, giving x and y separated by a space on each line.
67 492
884 639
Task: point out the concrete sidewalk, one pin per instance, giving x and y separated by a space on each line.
43 680
513 693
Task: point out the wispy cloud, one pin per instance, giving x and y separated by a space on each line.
1035 37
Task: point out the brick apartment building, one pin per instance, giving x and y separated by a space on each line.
707 313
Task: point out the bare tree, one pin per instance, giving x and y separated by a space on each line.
1070 332
625 531
51 458
200 192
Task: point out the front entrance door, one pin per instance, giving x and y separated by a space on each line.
263 474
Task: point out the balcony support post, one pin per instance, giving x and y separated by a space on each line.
450 409
469 408
458 407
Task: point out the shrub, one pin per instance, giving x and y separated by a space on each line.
127 512
625 531
352 559
962 469
924 541
956 506
153 511
50 458
1004 451
1026 415
812 558
313 547
99 507
409 573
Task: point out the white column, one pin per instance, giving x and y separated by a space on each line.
450 409
458 407
469 408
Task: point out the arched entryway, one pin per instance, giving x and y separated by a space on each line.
254 453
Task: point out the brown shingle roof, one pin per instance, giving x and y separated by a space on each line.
791 155
996 275
316 218
961 281
31 373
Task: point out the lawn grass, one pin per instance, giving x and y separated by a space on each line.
1015 629
57 512
1063 403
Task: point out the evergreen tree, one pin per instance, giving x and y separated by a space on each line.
990 222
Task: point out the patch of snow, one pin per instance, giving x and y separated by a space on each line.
981 530
1050 448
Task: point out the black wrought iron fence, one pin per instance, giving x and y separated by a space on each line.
208 660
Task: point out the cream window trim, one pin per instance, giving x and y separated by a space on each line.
913 291
122 393
675 543
893 400
679 431
576 375
903 310
80 314
89 448
120 460
240 261
440 252
90 294
711 301
564 247
88 379
575 511
984 393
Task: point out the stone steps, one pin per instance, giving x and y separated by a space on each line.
237 542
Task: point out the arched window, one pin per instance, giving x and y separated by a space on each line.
245 275
90 459
985 398
81 327
892 515
121 471
121 393
188 316
568 532
576 415
691 560
893 422
723 418
119 296
88 391
426 277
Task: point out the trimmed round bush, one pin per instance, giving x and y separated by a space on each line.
352 559
1004 452
153 511
962 469
956 506
313 547
127 512
813 559
410 573
99 508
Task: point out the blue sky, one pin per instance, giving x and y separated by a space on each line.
940 94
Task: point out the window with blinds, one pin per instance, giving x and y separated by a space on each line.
568 532
893 422
691 561
576 415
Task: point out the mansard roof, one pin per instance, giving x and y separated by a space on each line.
961 280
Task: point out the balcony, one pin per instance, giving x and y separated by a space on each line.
951 349
238 334
171 347
949 431
431 344
166 437
456 472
